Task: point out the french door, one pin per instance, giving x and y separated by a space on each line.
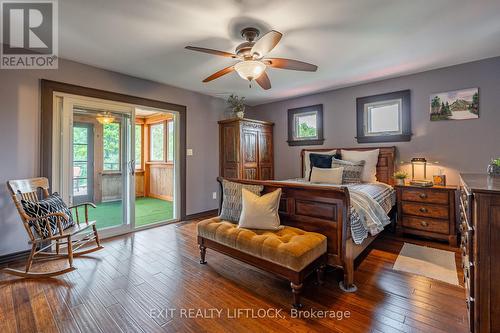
95 160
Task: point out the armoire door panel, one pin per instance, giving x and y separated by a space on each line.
266 173
230 173
249 146
230 144
265 147
250 173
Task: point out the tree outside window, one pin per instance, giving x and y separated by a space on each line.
157 136
111 147
138 146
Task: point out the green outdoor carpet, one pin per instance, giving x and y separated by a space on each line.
147 211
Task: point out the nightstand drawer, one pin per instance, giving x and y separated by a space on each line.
425 210
426 224
422 195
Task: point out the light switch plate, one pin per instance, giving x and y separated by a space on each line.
214 195
189 152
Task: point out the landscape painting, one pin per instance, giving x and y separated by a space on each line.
455 105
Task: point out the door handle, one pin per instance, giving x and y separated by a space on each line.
131 165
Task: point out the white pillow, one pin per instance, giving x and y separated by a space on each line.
327 176
371 159
307 161
260 212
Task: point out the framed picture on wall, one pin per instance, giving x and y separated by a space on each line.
455 105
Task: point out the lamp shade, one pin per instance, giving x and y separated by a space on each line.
250 69
418 163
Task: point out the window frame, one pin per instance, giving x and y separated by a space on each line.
293 140
167 134
405 118
141 167
107 171
150 134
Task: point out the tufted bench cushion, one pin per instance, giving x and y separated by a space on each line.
289 247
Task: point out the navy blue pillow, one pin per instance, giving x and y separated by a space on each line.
321 161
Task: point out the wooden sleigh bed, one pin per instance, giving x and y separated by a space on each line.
326 210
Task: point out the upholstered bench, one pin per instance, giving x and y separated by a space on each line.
289 252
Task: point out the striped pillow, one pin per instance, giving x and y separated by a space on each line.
51 204
232 201
352 170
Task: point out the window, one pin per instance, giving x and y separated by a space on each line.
384 118
138 147
111 147
305 126
157 137
170 151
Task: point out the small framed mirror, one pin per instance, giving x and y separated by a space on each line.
384 118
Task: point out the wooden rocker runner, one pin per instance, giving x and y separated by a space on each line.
43 242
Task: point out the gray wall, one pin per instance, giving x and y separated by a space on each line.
20 139
459 146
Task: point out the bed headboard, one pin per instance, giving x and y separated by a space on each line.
385 165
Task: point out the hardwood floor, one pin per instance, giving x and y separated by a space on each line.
128 287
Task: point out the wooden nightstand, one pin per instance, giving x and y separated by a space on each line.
427 211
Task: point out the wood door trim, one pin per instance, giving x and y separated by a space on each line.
48 88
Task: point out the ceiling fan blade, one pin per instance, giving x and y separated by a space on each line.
266 43
220 73
263 81
210 51
290 64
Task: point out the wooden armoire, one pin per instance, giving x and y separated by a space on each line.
246 149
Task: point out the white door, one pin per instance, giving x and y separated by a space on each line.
96 159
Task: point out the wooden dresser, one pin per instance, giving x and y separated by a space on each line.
246 149
480 246
427 211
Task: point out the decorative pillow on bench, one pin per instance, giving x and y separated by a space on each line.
231 201
260 212
51 204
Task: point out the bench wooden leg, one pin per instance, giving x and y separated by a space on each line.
320 274
296 290
203 252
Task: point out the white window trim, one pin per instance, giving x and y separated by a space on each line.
367 106
296 124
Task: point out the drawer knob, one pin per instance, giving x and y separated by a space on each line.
423 210
422 195
424 224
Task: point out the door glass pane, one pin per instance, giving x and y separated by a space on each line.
80 161
110 183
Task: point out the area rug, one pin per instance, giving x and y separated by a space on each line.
426 261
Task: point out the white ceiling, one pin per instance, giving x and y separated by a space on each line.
351 41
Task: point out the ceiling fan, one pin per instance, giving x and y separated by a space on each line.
252 65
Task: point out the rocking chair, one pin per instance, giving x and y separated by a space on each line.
42 243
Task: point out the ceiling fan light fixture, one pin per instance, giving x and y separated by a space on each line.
250 69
